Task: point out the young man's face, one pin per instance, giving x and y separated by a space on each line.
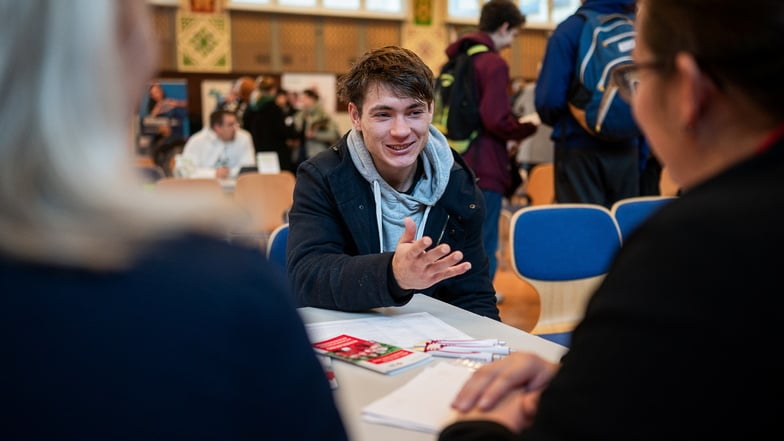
506 35
395 130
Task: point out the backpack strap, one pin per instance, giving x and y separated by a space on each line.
476 49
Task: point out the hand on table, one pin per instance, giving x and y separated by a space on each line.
514 411
519 372
222 172
415 267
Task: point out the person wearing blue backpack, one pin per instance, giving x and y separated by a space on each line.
589 167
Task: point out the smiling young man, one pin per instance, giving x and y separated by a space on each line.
390 210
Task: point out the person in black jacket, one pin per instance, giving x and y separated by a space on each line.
266 122
670 343
391 209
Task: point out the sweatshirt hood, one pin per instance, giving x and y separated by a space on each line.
393 206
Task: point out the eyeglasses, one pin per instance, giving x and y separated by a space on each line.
627 77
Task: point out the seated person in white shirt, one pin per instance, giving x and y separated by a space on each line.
221 149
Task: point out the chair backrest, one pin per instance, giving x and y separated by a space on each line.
266 197
563 250
209 186
276 246
540 187
629 213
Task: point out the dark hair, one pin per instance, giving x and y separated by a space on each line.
216 117
151 102
749 58
497 12
399 69
267 84
311 93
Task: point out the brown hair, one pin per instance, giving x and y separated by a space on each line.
497 12
399 69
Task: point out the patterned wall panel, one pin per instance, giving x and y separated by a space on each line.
203 42
300 39
280 43
251 39
342 38
428 42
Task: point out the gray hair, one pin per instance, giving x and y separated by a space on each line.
71 73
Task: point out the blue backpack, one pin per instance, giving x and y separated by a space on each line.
606 41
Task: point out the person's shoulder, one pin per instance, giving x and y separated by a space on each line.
244 134
203 247
331 158
200 261
333 162
199 136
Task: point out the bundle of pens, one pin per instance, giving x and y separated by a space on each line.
485 350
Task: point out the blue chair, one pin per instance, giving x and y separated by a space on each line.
629 213
563 251
276 247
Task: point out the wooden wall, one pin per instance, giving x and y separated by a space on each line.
271 44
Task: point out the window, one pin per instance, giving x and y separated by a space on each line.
389 9
538 13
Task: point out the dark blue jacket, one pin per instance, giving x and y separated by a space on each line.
333 248
557 74
198 340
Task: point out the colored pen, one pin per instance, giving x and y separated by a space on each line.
469 343
485 357
430 346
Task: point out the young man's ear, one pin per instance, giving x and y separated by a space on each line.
695 87
354 115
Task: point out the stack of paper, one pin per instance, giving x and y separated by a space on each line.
424 403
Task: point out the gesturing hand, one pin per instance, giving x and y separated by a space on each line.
415 267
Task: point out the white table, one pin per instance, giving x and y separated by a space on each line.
359 387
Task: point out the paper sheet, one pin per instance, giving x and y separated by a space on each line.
405 330
422 404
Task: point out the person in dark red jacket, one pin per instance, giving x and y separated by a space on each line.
500 22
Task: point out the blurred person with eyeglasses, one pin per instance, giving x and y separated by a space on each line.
670 344
221 149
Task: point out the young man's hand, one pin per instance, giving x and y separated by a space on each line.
416 267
